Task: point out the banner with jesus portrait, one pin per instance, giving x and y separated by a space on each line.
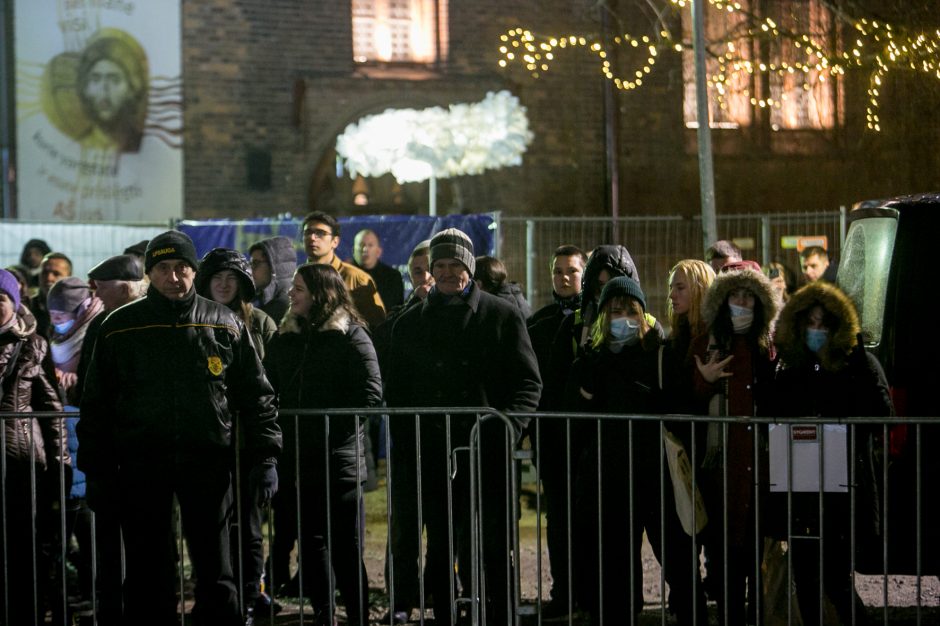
98 111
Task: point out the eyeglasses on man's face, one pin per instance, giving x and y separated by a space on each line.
319 233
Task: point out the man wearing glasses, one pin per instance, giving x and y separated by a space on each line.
320 234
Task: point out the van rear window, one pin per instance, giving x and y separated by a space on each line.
864 269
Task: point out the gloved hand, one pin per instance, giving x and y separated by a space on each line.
262 481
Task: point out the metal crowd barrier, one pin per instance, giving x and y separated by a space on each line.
904 543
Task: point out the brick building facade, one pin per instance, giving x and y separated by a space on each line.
268 86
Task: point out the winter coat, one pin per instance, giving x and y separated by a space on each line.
543 326
30 386
466 351
626 382
512 292
752 365
840 380
282 258
745 392
389 282
362 290
330 366
166 377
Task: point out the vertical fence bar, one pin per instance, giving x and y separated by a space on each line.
530 254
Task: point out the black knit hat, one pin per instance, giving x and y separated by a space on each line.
120 267
170 245
622 286
453 243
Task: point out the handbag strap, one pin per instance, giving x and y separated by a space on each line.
660 363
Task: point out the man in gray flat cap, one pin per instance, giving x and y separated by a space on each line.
116 281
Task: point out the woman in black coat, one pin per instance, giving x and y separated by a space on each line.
620 374
34 450
824 373
322 357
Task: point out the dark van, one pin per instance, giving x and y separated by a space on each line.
886 267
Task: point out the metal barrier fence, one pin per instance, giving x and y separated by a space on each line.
454 487
656 243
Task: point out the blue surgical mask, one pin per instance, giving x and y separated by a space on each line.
624 331
741 318
64 327
816 338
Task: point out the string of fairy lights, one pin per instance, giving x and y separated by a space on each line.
875 45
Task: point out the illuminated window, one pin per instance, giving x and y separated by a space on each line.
399 31
748 73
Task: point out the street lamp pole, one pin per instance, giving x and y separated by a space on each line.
706 172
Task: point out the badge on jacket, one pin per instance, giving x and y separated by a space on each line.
215 365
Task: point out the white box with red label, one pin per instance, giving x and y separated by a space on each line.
802 443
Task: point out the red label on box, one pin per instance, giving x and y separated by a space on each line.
803 433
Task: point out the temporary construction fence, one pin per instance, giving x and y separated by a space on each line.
525 244
616 488
656 243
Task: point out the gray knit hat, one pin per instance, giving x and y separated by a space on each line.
67 294
453 244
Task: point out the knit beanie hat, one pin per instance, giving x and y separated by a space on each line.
621 286
170 245
67 294
453 244
10 286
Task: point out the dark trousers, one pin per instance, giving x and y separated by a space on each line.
202 484
557 457
636 495
450 537
331 544
19 548
403 565
248 566
835 558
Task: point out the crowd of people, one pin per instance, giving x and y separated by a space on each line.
179 365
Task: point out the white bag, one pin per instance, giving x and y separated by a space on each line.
680 470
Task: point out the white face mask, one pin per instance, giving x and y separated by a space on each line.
741 318
624 331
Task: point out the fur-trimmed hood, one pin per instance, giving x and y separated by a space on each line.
339 321
756 282
791 346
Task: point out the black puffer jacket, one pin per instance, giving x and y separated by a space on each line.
29 388
166 377
283 260
331 366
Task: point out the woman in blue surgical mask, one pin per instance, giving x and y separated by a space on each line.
825 372
734 368
620 374
72 306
